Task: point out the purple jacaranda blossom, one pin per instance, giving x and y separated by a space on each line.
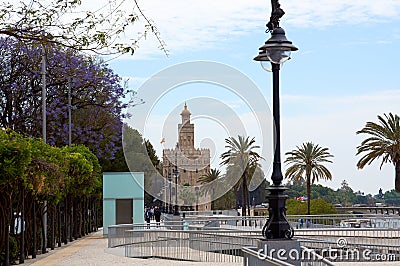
96 94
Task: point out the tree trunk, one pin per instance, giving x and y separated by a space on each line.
22 217
53 227
59 224
34 249
243 199
90 215
397 176
66 220
96 216
86 215
79 216
212 199
44 227
75 219
71 218
308 194
7 253
248 201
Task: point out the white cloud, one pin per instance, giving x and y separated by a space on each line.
194 25
203 24
200 24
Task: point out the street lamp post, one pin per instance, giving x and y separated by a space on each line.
165 206
170 193
176 173
276 50
197 198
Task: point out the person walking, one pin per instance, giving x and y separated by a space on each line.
152 213
157 215
147 217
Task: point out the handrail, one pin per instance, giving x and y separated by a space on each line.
270 259
253 230
316 255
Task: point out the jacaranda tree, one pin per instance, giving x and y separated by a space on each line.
96 96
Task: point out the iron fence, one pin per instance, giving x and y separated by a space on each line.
194 240
210 246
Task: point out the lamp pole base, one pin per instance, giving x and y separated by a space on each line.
277 226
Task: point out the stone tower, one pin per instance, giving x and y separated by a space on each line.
190 162
186 131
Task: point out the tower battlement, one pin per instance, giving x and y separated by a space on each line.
191 162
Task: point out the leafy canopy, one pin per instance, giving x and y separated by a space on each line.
68 23
384 141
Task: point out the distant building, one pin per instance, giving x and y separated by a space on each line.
190 162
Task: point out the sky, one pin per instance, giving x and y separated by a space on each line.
344 74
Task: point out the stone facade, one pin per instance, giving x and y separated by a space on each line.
190 162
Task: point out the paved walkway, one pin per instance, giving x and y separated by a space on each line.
92 250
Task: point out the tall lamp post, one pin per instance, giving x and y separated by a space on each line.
170 193
276 50
176 173
197 198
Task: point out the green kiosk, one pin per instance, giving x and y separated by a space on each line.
123 198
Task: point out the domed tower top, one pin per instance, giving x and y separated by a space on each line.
185 115
186 131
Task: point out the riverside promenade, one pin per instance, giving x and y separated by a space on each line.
92 250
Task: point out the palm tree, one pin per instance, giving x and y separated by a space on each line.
384 141
207 178
305 163
242 158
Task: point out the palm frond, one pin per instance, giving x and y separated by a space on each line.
383 142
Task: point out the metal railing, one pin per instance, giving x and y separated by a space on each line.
314 221
209 246
311 257
353 244
194 240
251 257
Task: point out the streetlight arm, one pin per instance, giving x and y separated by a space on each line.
276 14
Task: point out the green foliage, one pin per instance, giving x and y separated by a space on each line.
136 154
34 170
242 161
207 180
187 195
305 162
226 202
118 164
140 156
383 142
15 156
84 170
392 197
318 206
151 152
345 197
306 165
47 172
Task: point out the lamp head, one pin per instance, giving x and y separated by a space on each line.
276 49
